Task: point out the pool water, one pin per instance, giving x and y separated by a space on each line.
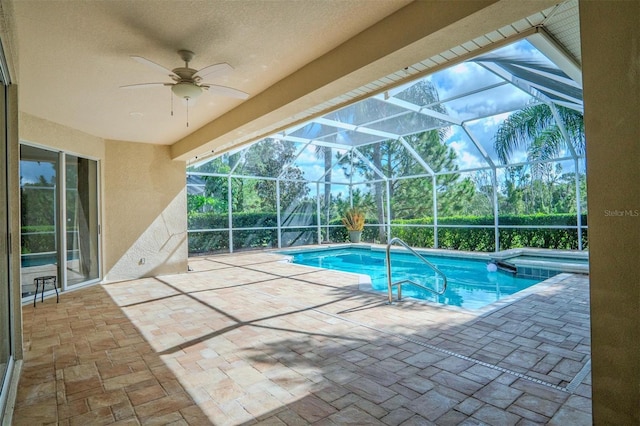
470 285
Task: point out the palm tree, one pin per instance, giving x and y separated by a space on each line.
535 129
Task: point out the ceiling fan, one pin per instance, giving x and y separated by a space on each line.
188 83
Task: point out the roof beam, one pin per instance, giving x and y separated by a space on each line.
420 110
355 128
370 164
526 85
416 156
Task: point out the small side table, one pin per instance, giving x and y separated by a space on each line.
49 279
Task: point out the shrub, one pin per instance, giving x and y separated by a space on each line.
415 232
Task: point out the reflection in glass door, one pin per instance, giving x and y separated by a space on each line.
39 213
81 220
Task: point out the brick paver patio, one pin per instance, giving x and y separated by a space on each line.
247 339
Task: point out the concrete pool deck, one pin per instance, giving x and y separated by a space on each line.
247 339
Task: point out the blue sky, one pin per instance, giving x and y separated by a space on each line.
493 106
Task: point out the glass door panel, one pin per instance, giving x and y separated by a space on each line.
81 220
5 325
39 213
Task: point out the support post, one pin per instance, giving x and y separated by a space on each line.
278 215
435 211
496 212
230 212
578 203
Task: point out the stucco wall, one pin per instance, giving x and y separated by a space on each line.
145 211
610 38
52 135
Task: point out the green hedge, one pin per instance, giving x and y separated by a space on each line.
459 238
210 242
483 239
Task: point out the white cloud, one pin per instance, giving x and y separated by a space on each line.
518 157
461 78
462 69
466 159
491 124
469 161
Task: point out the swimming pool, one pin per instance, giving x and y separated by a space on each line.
470 285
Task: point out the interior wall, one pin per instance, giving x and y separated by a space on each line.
610 38
144 211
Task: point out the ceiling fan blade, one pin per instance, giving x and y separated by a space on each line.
144 85
155 66
214 70
225 91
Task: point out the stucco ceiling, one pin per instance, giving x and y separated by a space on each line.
72 56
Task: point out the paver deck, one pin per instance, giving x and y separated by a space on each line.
246 339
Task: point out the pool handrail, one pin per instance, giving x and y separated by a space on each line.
399 283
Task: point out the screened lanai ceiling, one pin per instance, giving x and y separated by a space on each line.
465 104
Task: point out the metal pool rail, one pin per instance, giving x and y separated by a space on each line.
399 283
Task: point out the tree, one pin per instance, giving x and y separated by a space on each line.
410 198
273 158
325 152
535 130
38 202
534 188
268 158
482 203
215 195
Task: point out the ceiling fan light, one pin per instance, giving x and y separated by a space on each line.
186 90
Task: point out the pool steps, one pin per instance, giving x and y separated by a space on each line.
538 263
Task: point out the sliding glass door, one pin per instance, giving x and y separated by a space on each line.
60 229
81 220
39 194
6 349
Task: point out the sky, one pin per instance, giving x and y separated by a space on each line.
493 106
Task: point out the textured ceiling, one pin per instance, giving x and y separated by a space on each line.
74 55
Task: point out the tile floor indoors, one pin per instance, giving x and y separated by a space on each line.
245 339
